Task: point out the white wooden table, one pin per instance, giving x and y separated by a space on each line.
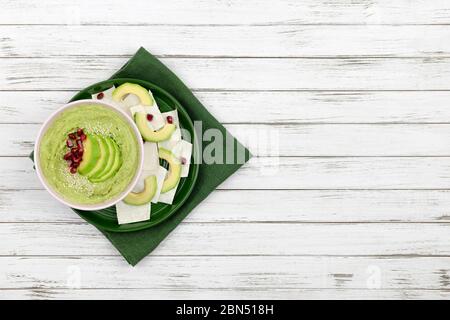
358 92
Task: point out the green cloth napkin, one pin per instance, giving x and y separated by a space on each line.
136 245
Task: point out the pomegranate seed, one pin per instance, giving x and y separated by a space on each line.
80 147
68 155
69 143
169 119
149 117
100 96
72 136
74 150
83 137
183 160
73 170
80 132
75 164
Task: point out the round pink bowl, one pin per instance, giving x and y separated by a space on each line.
98 206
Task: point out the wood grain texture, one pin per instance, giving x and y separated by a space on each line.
200 12
189 294
237 273
357 93
273 107
296 173
343 140
228 41
238 239
239 74
257 206
298 139
343 173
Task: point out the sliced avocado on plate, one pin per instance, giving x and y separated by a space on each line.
141 198
130 88
174 173
148 134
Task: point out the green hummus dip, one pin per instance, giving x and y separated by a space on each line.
93 119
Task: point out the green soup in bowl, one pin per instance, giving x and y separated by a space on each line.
95 168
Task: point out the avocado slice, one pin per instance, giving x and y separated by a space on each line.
115 166
131 88
91 154
110 161
174 173
148 134
102 160
138 199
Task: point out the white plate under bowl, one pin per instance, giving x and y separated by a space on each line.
56 195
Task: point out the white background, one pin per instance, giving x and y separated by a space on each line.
358 92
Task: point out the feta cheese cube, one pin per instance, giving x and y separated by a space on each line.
158 120
160 176
128 214
182 150
168 196
151 157
176 136
131 100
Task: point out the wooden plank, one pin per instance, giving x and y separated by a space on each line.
341 140
231 273
239 74
296 173
315 252
19 139
343 173
298 139
371 239
259 206
273 107
229 12
228 41
183 294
